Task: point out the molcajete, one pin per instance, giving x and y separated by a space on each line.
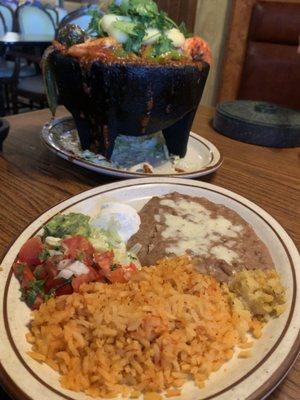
111 99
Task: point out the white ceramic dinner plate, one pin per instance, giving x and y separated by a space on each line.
202 157
252 378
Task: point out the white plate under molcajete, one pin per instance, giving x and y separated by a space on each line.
202 155
253 378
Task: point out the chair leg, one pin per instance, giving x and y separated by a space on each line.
2 101
14 99
7 97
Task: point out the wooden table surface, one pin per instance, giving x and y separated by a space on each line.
34 179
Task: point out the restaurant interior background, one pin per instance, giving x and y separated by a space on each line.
225 25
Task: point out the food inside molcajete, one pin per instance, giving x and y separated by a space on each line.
135 72
113 318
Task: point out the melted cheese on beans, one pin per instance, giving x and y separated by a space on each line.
194 229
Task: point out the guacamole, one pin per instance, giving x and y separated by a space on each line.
72 224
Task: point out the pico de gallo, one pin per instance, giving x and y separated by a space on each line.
70 252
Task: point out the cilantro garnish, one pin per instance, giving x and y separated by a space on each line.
143 14
94 26
19 269
30 297
113 267
44 254
36 285
80 256
29 294
39 271
162 46
144 8
49 295
131 28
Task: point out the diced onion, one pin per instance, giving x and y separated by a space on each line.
53 241
63 264
119 35
151 36
54 253
77 267
108 20
107 24
65 274
176 37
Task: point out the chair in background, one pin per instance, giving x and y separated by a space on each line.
8 15
33 90
80 17
32 20
3 28
261 61
12 4
53 14
9 71
4 76
57 14
61 13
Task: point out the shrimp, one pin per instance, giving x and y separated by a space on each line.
93 47
198 49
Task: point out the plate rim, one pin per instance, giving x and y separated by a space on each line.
290 358
213 150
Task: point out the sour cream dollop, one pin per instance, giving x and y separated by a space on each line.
118 217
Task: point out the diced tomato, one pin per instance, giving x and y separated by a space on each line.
37 302
79 248
79 280
104 260
52 283
39 272
27 277
132 267
30 251
18 268
117 276
122 274
91 276
50 266
66 289
23 273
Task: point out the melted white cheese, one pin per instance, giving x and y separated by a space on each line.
195 229
223 253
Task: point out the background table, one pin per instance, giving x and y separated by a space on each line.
33 179
18 39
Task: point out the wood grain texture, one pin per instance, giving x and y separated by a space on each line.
33 179
180 10
235 51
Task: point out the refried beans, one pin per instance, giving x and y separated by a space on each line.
219 241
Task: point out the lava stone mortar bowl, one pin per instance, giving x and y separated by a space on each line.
133 99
